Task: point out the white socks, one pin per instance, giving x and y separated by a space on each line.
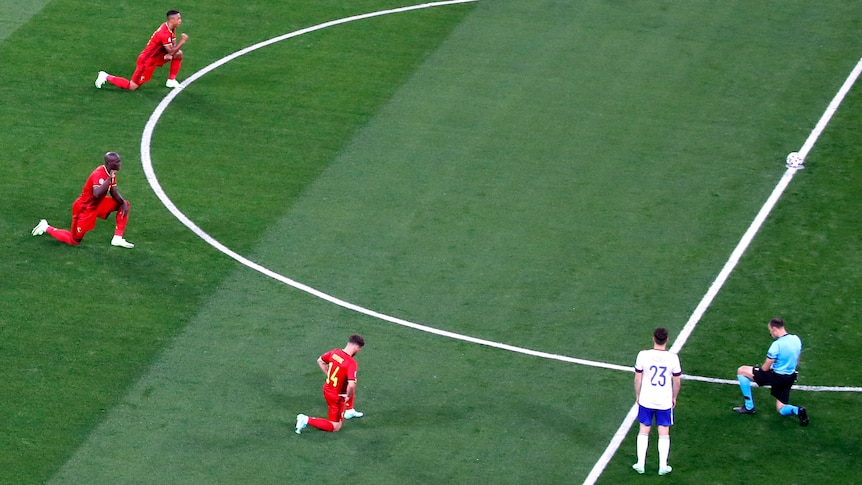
642 445
663 450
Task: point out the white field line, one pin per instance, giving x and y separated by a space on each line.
618 437
147 163
734 382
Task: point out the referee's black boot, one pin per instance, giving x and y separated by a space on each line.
744 410
803 416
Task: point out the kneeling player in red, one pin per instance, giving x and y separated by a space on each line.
93 203
339 366
160 50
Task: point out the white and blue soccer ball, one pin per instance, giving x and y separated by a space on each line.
794 160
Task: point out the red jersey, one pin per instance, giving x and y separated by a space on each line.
87 200
342 368
160 42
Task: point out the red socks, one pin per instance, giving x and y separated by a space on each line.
119 82
62 235
322 424
122 220
175 68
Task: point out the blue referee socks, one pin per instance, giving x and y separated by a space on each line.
745 387
789 409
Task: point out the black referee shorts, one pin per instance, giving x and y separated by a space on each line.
780 383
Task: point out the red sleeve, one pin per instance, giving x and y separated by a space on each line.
165 36
351 370
96 178
93 181
156 45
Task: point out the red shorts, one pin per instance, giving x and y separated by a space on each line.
144 69
84 218
335 403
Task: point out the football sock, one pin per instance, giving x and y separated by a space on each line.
349 404
121 223
642 445
175 68
789 409
320 423
745 387
119 82
62 235
663 450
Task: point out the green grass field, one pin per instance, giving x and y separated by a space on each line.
555 175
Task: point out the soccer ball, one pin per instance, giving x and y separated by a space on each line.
794 160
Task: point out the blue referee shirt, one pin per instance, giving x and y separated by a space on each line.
785 350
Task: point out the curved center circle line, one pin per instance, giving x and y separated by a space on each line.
146 162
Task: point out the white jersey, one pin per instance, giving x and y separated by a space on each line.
658 368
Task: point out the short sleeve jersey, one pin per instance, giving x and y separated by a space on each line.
97 178
156 47
658 368
342 368
785 350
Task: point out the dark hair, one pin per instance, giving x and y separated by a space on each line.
356 339
660 335
171 13
776 323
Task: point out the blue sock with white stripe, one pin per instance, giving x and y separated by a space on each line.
745 387
789 409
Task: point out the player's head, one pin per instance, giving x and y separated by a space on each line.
356 340
660 336
112 161
174 18
354 344
776 327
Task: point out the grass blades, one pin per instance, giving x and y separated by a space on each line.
555 175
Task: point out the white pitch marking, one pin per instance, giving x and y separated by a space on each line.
730 265
146 161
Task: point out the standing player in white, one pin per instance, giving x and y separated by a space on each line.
657 380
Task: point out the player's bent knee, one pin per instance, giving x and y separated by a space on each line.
178 55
